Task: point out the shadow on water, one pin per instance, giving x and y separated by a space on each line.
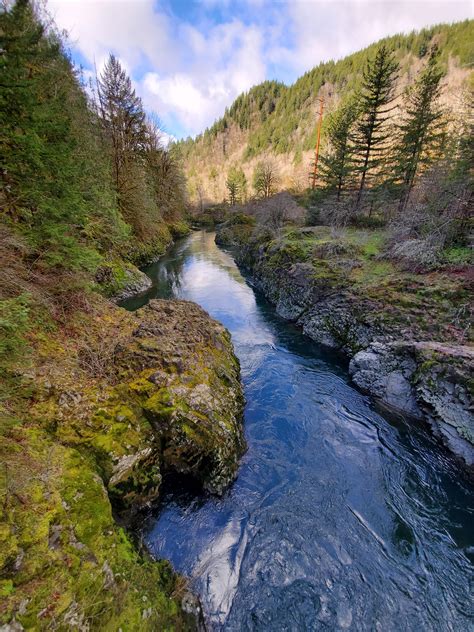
342 516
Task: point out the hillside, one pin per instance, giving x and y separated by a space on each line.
280 121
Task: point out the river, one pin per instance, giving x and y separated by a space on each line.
341 518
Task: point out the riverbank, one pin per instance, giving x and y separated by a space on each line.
105 405
406 333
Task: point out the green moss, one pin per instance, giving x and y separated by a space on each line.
179 229
114 276
287 253
6 587
73 560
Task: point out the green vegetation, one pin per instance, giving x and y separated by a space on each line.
236 185
420 132
70 189
370 136
86 192
336 163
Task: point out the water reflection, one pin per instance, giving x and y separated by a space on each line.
341 518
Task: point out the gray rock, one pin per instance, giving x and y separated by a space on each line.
137 282
385 373
13 626
423 379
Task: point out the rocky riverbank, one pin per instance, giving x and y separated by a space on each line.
406 334
113 403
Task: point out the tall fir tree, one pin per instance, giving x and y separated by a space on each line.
336 163
123 120
371 133
419 130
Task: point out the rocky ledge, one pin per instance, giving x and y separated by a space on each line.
184 385
119 280
424 379
116 401
403 333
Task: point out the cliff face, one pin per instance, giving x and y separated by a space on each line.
114 403
406 334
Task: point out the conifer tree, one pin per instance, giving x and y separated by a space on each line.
371 133
232 184
123 119
418 131
241 186
42 173
336 164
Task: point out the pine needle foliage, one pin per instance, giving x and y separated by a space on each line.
336 163
419 131
370 141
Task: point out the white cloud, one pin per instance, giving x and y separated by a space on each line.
225 63
189 72
190 76
166 138
331 29
130 28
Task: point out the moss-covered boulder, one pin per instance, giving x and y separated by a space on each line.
185 379
65 563
119 280
116 399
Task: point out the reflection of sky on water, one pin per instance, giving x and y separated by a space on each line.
339 518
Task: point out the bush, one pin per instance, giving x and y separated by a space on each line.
241 219
457 256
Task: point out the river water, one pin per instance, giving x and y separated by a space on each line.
341 518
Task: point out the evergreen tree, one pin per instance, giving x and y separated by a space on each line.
419 132
213 175
42 172
232 184
463 138
336 165
241 186
123 120
371 134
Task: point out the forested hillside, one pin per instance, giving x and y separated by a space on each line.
276 122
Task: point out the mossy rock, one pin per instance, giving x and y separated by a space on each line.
157 389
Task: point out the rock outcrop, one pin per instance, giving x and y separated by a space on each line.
424 379
185 382
118 400
393 356
119 280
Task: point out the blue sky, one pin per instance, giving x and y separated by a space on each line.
190 59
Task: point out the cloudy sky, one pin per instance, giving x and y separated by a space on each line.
190 59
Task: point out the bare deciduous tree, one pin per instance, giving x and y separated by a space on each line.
265 179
